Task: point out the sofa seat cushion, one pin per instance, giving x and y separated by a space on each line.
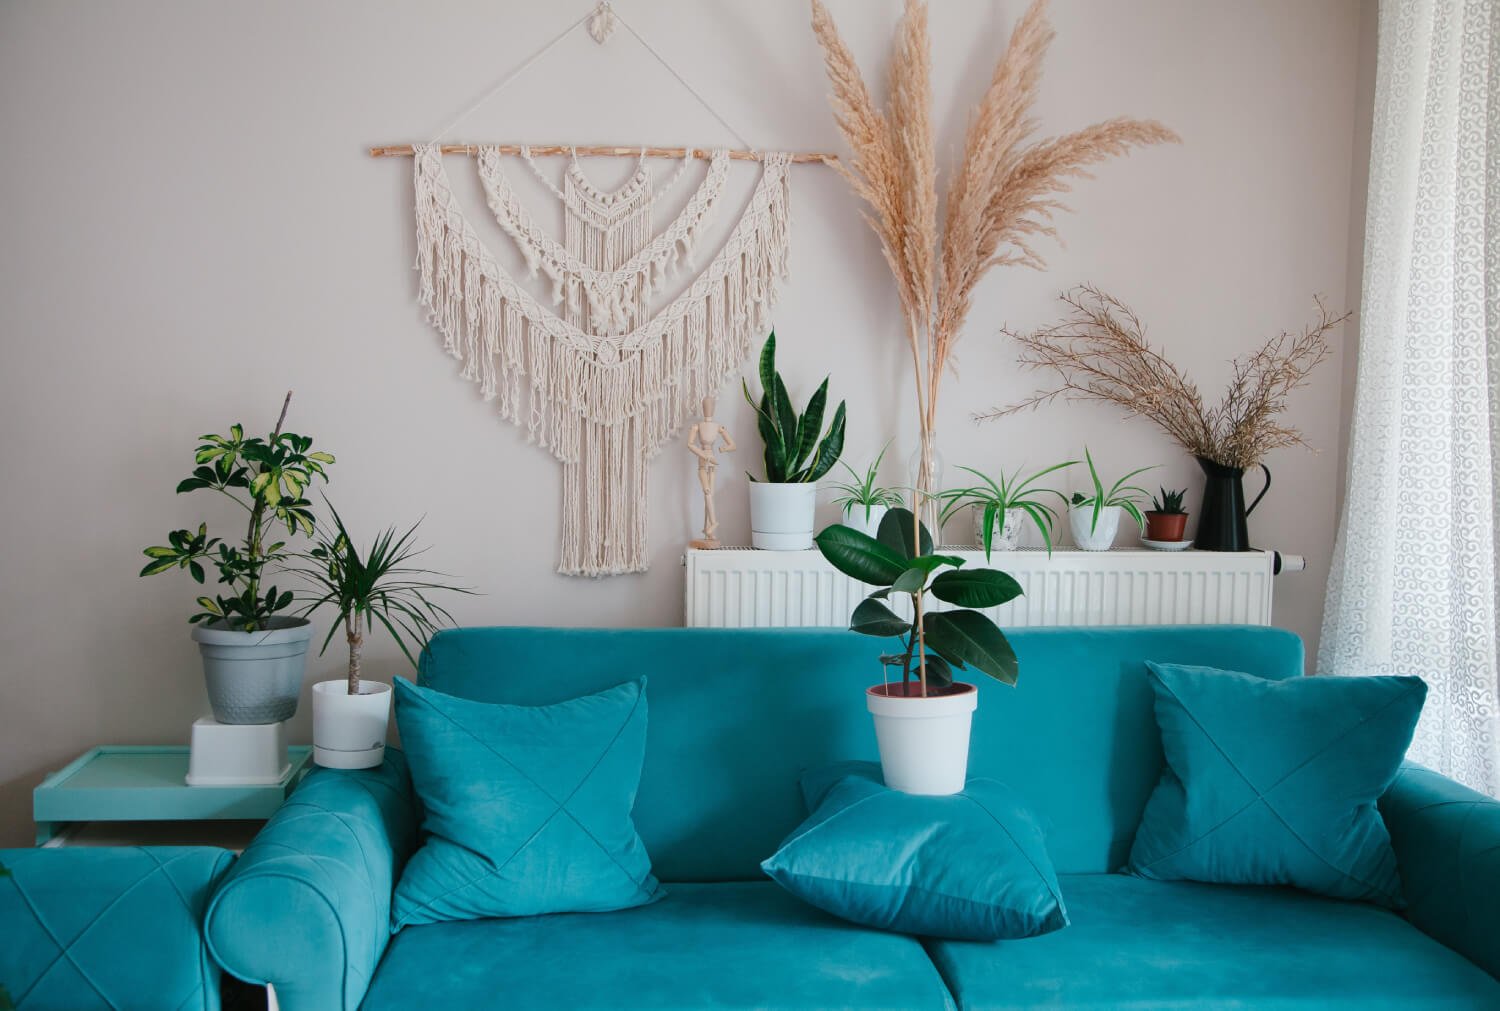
737 945
1135 943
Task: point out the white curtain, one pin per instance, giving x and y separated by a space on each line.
1413 585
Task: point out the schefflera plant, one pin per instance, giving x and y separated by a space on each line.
936 643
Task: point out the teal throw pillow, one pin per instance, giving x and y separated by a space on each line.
972 866
1275 782
526 808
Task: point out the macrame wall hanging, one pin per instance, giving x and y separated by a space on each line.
602 377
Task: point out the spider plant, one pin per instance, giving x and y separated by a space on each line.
374 586
1127 496
995 497
864 489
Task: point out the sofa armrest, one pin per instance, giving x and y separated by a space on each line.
307 907
1447 842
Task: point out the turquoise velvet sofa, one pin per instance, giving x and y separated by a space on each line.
735 715
109 928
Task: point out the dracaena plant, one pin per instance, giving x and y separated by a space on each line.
864 491
1169 503
794 452
933 644
1127 496
268 478
375 585
995 497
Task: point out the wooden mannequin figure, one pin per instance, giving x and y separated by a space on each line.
702 442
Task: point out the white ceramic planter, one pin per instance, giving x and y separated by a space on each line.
781 515
1004 540
1102 536
924 742
349 730
865 519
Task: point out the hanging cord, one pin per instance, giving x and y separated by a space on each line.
680 79
512 76
508 78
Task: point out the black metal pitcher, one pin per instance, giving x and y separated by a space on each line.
1221 518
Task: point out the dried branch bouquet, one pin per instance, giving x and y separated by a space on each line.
1003 195
1100 352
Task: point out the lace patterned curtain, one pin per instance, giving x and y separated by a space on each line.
1413 584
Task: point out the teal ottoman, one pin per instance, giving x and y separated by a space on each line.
116 928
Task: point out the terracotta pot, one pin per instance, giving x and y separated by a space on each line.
1165 526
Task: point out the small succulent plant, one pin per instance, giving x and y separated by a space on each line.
1168 502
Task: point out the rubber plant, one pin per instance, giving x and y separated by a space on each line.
267 478
935 643
374 586
794 452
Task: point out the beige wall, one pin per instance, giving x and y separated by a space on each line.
188 227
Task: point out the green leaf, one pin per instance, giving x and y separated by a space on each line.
786 424
872 617
831 448
976 587
859 556
160 565
971 638
196 570
939 673
160 552
895 533
912 580
811 425
191 484
210 605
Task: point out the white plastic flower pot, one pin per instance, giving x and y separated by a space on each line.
349 730
924 742
1102 535
865 519
1005 539
781 515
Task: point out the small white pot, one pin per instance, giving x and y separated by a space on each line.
1102 536
1004 540
865 519
924 742
349 730
781 515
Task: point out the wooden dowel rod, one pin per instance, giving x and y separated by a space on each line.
406 151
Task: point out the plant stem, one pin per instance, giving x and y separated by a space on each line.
916 603
356 643
253 536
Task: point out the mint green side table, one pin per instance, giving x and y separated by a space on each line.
135 784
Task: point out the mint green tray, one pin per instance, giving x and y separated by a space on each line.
124 782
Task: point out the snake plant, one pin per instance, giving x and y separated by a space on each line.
794 453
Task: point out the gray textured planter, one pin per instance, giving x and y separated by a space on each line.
254 677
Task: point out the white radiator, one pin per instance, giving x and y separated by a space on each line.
745 588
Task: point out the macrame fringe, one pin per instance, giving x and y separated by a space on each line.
601 404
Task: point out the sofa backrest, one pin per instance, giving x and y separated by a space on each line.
736 714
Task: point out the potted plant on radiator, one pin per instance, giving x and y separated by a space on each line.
1095 518
1166 520
922 719
1001 505
350 715
863 499
782 506
254 655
